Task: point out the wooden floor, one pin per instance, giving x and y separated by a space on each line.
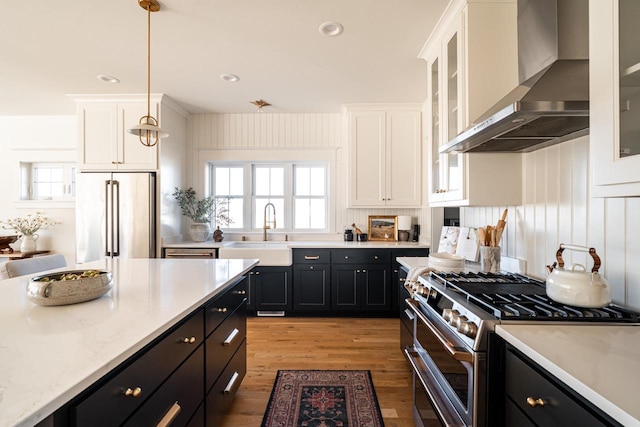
323 343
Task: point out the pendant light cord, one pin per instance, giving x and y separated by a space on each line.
148 61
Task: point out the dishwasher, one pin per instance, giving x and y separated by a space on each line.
191 253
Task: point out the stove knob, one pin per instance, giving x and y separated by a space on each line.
448 314
468 328
457 321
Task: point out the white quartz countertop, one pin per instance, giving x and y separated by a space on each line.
302 244
50 354
413 261
602 363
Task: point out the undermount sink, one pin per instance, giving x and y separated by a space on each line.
269 253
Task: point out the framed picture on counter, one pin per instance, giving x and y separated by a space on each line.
383 227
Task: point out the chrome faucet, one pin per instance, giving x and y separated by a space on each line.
265 227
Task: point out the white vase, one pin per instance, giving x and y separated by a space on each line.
28 242
199 231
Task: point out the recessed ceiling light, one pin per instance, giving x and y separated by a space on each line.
331 28
108 79
231 78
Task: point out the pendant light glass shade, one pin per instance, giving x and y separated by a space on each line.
148 130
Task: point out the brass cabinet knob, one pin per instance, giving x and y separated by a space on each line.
187 340
240 292
133 392
535 402
221 309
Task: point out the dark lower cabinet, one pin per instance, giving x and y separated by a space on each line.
533 397
360 280
365 287
270 289
186 377
221 395
177 400
122 393
353 280
312 287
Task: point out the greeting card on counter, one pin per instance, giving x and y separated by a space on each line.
449 240
468 244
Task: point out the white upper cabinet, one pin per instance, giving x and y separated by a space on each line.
471 64
105 144
614 74
384 155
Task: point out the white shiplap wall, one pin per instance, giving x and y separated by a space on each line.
280 131
557 208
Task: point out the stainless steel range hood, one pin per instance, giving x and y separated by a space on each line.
551 104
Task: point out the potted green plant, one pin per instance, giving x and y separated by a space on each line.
201 211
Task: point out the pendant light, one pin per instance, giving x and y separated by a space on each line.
148 130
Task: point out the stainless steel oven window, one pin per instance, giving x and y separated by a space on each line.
455 377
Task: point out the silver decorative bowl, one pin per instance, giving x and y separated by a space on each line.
69 287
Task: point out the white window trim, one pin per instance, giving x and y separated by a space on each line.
300 156
38 155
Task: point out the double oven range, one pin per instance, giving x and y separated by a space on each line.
454 317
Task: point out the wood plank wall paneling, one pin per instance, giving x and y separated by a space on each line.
266 130
269 131
557 208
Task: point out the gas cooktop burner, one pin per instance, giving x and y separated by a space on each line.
510 296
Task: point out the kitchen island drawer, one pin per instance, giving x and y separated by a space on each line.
311 256
361 256
178 398
542 400
223 391
115 400
218 309
223 343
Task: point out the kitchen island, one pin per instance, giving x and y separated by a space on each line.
600 363
49 355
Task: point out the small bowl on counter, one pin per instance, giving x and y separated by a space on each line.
446 262
69 287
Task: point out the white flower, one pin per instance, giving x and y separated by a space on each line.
27 225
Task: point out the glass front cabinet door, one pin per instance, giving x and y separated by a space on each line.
614 97
445 90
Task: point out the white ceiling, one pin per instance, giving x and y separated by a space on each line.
52 48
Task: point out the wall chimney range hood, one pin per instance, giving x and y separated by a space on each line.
551 104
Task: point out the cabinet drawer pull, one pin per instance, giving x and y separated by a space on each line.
171 415
535 402
257 272
136 392
231 337
311 268
375 257
312 257
346 257
240 292
220 309
187 340
231 382
402 279
409 314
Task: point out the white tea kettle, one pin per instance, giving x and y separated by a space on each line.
576 286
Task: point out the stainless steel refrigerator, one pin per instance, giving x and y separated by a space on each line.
115 215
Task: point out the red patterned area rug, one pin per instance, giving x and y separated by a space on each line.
323 399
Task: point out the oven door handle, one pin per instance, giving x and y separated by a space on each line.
447 415
455 352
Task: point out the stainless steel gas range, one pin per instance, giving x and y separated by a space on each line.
455 315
